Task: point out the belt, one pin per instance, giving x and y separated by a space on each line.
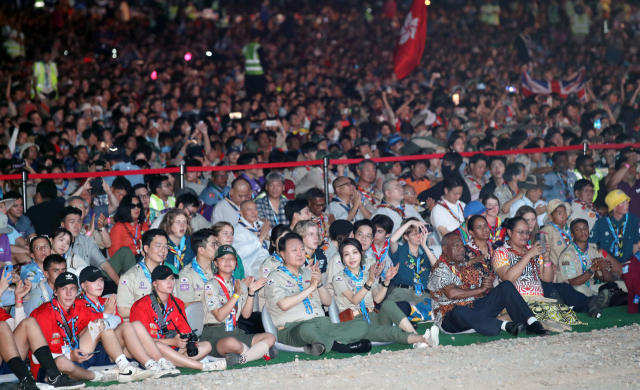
212 325
409 286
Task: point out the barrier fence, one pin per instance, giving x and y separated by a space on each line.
585 147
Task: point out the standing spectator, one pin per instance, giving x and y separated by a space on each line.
217 189
560 179
272 201
176 225
45 73
161 196
44 214
254 66
624 178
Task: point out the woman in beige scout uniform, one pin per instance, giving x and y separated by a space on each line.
357 291
225 298
274 261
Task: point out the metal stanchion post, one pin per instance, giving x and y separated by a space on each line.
585 148
183 169
24 191
325 170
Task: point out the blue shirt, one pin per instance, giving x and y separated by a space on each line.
32 272
211 194
13 236
37 298
558 189
405 272
602 235
23 226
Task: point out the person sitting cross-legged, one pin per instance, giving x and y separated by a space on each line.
357 291
222 307
295 297
463 298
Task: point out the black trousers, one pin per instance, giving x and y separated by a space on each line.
569 295
482 316
254 84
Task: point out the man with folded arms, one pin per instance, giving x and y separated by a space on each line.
295 297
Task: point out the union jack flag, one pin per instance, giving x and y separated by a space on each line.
563 87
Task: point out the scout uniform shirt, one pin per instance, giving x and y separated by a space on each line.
335 267
557 242
54 332
371 198
143 311
580 210
134 284
573 264
191 288
504 194
269 265
281 286
342 282
474 186
606 236
214 298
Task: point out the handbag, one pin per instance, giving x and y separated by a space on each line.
346 315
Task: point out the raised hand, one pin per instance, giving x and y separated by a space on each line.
22 289
110 305
257 285
237 287
391 273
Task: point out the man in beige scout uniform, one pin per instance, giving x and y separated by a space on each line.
557 232
582 263
582 206
294 298
136 283
225 299
194 275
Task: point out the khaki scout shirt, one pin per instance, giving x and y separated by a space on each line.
190 284
571 265
335 266
268 266
279 286
556 243
133 286
580 211
214 298
503 193
342 283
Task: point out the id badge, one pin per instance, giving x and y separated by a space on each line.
636 300
66 351
418 289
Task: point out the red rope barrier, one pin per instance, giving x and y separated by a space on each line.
302 163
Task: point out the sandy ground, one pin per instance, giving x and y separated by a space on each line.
605 359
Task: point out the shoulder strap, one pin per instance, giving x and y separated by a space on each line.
181 313
158 307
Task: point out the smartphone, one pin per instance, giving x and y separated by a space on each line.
7 270
96 186
271 123
597 124
541 239
511 89
89 354
456 99
235 115
346 111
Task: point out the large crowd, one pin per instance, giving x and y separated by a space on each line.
146 276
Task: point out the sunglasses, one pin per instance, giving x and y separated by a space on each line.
138 205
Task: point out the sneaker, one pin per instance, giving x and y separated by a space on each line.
28 384
432 336
168 366
233 359
273 353
63 381
420 345
133 373
158 372
218 365
44 386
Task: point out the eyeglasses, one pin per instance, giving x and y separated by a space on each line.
145 196
160 247
362 235
522 232
180 223
41 248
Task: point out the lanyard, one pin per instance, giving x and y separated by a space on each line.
234 207
69 333
145 270
417 270
565 185
178 253
230 322
495 231
565 236
196 267
134 237
442 203
275 212
463 234
306 301
618 235
584 259
96 306
358 282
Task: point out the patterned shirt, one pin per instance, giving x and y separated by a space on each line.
528 284
265 210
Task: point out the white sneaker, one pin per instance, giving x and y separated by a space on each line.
134 373
44 386
420 345
159 372
432 336
109 375
218 365
169 367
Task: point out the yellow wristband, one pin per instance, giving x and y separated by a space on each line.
236 296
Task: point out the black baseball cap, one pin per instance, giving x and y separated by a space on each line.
90 274
162 272
66 278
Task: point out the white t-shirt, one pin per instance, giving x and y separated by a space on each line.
440 216
250 249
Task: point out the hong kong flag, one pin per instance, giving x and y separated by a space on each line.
413 36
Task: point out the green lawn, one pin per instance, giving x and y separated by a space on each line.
611 317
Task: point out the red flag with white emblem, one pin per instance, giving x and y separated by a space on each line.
410 45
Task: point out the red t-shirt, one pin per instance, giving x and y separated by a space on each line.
4 315
143 311
96 309
50 322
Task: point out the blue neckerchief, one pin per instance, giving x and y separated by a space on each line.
358 282
565 186
306 301
230 322
584 258
616 237
562 232
96 306
233 206
145 269
196 267
71 340
180 248
277 256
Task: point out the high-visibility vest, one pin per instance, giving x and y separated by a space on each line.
595 180
13 48
39 72
252 65
157 206
580 24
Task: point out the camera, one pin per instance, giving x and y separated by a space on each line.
192 339
169 334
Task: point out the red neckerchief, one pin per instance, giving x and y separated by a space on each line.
379 254
368 194
496 231
475 182
442 203
321 222
397 209
589 207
